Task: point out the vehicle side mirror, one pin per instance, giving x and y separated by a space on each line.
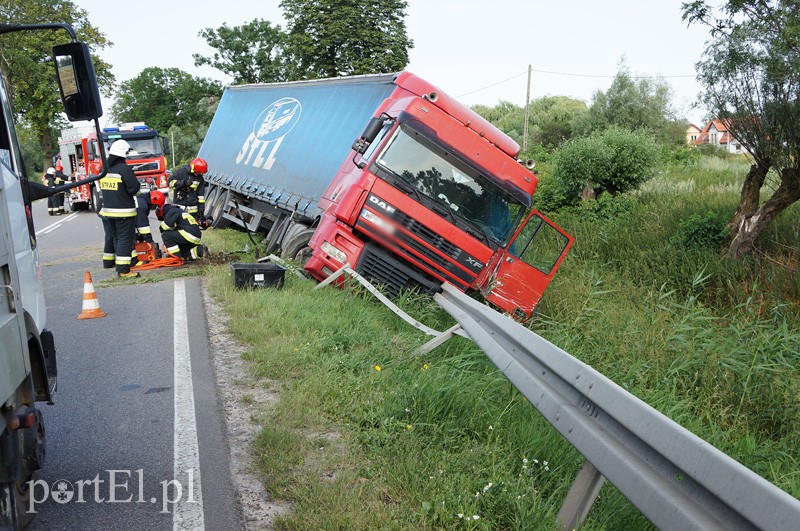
77 81
164 144
373 128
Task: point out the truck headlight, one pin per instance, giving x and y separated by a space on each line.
333 252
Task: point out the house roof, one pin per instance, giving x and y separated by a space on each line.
721 126
691 126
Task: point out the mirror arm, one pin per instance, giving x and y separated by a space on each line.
8 28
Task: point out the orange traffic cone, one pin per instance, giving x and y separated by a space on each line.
91 308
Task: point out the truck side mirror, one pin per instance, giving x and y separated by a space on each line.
164 144
373 128
77 81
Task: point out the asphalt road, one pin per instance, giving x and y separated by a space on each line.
135 439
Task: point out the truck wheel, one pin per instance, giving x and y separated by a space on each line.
97 199
217 208
296 248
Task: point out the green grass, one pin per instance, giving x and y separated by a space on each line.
367 436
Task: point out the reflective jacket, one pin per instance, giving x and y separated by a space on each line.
119 188
182 222
188 189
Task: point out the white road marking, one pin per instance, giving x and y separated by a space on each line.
187 513
54 226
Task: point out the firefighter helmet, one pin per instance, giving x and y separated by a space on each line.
157 199
121 148
161 211
198 165
51 171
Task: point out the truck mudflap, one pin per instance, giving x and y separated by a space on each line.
44 369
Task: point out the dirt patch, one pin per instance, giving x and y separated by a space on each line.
244 399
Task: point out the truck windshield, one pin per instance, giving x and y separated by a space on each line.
443 178
145 147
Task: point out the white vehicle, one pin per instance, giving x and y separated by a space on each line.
27 348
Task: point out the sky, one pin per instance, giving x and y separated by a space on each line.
478 51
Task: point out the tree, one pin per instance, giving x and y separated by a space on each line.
330 38
751 74
553 118
25 59
613 161
251 53
163 97
630 104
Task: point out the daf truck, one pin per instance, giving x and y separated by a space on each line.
386 173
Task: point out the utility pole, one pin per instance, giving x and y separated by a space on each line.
172 134
527 103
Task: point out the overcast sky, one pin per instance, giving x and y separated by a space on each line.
475 50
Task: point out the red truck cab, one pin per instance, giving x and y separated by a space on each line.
434 193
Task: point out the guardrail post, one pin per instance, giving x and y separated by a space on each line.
438 340
581 496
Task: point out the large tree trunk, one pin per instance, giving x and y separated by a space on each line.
749 199
46 142
751 226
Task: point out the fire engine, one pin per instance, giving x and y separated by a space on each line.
78 152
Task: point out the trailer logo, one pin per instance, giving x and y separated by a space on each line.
269 128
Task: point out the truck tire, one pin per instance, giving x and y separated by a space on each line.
296 247
217 208
97 199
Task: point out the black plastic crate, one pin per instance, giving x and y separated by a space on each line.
258 275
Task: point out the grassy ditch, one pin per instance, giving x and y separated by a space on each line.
367 436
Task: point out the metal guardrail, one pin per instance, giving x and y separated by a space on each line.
677 480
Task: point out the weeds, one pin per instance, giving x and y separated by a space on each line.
367 436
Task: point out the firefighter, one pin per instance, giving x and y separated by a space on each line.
144 204
55 203
119 188
188 186
179 232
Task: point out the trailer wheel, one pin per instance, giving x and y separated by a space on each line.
296 248
217 208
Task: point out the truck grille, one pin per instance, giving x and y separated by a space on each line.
436 240
383 268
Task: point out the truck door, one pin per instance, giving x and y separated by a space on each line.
13 337
519 272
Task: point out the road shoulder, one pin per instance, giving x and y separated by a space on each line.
243 402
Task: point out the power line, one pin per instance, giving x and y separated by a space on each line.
598 76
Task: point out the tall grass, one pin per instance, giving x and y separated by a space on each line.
367 436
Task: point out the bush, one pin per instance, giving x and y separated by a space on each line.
607 207
701 232
613 161
549 195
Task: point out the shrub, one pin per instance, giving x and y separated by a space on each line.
698 232
613 161
607 207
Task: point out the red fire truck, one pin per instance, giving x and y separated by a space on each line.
78 152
